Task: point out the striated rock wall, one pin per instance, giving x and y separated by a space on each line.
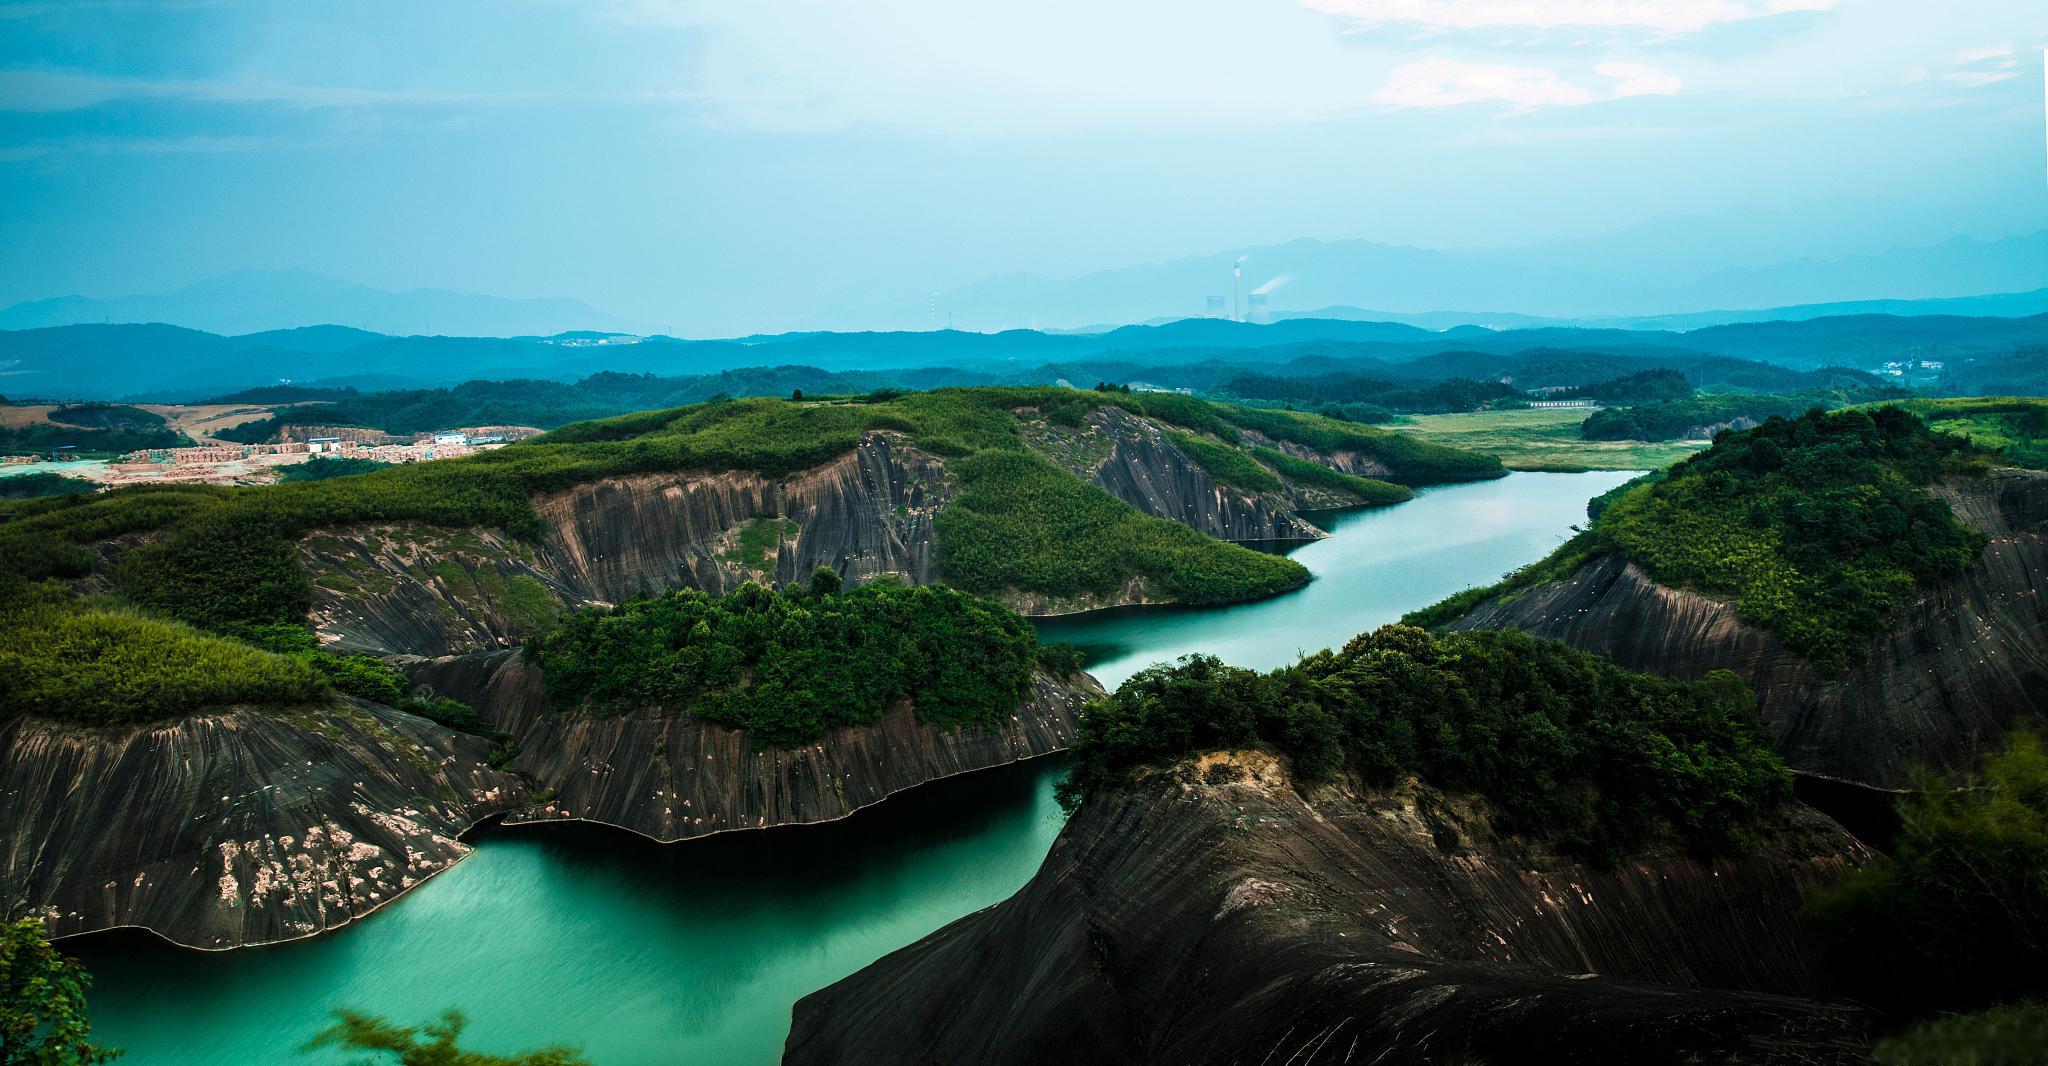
1357 464
235 828
1212 914
1962 663
420 591
412 590
864 514
670 776
387 589
1132 459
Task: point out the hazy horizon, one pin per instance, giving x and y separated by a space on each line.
717 170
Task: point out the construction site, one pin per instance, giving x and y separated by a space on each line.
213 461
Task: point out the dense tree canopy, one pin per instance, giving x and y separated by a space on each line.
1819 527
1566 747
787 665
1345 390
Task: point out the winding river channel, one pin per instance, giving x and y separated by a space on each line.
694 953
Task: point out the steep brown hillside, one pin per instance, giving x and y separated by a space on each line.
1212 914
430 592
1134 460
1957 667
237 827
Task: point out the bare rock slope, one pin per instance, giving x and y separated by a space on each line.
1957 668
238 827
1212 914
670 776
393 590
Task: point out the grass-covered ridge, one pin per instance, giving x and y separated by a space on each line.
1542 438
1567 748
104 666
1819 527
787 665
2013 427
222 558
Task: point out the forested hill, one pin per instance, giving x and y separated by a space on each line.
118 361
1017 511
1820 527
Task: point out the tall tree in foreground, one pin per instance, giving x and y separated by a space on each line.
366 1032
42 1003
1956 918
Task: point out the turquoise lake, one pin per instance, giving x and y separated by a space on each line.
694 953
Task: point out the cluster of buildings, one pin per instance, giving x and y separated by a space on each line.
1912 368
225 463
229 464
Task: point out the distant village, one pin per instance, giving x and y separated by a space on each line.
225 463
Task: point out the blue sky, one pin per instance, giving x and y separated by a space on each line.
722 166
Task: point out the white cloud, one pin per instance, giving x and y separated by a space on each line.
1655 19
1443 82
1985 65
1639 79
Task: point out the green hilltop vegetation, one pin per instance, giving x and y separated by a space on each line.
1819 527
1542 438
2013 427
113 665
1567 748
43 483
223 561
787 665
1692 418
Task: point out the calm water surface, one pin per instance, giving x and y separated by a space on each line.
694 953
1376 566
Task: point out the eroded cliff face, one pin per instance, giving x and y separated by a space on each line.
1132 459
413 590
1212 914
1357 464
239 827
670 776
1959 666
416 591
391 588
864 514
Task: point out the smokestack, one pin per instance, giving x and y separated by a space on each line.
1236 273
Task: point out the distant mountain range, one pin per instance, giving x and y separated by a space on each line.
2000 305
1508 288
169 362
251 301
1605 281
